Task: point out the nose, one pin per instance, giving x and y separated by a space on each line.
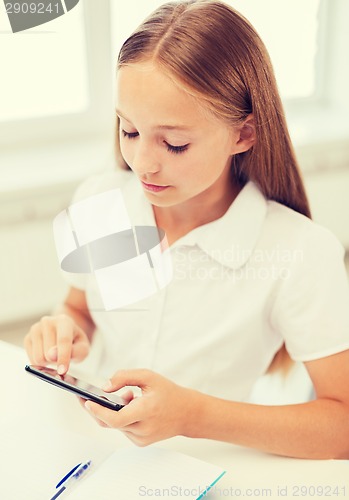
145 160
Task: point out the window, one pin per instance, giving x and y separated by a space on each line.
56 81
290 32
44 70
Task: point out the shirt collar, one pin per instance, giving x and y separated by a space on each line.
229 240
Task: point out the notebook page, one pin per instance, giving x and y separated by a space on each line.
133 473
34 457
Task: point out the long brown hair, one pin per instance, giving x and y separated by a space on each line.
214 53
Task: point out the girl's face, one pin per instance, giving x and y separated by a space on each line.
178 149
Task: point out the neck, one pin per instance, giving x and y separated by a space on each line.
207 207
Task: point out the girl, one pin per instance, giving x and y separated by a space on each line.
205 155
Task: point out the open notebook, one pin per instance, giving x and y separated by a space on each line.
133 473
34 457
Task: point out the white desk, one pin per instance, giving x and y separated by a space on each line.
249 472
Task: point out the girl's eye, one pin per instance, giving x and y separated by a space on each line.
130 135
170 148
176 149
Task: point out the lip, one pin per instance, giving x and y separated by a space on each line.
154 188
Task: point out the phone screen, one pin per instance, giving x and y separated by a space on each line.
77 386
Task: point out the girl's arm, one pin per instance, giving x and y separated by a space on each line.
318 429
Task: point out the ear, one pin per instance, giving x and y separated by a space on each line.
245 135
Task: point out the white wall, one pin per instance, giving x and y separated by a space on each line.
328 192
30 280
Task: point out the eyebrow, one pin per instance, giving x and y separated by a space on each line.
159 127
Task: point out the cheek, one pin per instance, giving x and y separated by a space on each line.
207 169
200 167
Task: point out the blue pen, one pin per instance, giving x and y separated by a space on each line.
71 478
67 475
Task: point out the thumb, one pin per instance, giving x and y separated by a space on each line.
140 378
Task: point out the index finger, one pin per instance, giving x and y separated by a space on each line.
65 331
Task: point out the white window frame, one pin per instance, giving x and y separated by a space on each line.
95 120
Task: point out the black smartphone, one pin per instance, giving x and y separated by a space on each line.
78 387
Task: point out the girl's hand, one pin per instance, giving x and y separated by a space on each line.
163 410
56 339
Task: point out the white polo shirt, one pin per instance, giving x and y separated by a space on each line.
259 276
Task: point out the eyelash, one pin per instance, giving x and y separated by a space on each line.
170 148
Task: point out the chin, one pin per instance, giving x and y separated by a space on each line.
158 201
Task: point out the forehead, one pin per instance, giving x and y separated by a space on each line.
145 92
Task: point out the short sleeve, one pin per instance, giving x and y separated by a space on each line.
91 186
311 310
